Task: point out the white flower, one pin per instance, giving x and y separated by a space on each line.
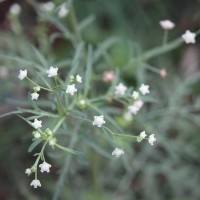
167 24
63 11
52 142
37 124
139 103
98 120
144 89
28 171
135 95
48 6
36 134
22 74
117 152
15 9
128 116
79 78
44 167
135 107
82 102
120 89
35 183
53 71
34 96
151 139
143 134
189 37
71 89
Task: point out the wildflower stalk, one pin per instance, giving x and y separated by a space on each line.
165 37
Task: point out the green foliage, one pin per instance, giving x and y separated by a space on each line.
168 170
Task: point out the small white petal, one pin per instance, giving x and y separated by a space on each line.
98 120
44 167
189 37
167 24
15 9
144 89
22 74
143 134
34 96
37 124
79 78
135 95
117 152
35 183
71 89
63 11
53 71
151 139
28 171
120 89
48 6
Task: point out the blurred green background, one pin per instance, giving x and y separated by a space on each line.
171 169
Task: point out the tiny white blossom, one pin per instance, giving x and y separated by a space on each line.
189 37
135 95
120 89
52 142
135 108
48 6
15 9
151 139
98 120
144 89
22 74
117 152
143 134
34 96
36 134
53 71
44 167
28 171
37 124
71 89
128 116
79 78
63 11
167 24
35 183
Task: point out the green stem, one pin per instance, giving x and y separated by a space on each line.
38 85
165 37
59 123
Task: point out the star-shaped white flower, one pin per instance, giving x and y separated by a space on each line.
52 142
48 6
144 89
28 171
22 74
167 24
35 183
37 124
135 95
151 139
36 134
98 120
189 37
63 11
71 89
120 89
78 78
44 167
15 9
117 152
143 134
53 71
34 96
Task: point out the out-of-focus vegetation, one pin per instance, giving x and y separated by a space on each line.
169 170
